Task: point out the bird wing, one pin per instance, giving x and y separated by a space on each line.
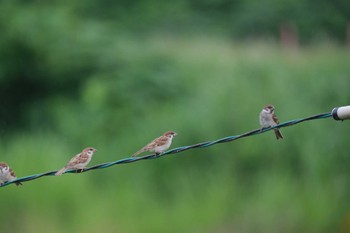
12 173
275 119
78 159
162 140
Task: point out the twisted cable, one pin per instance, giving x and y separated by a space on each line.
176 150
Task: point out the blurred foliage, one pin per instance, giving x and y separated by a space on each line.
115 75
52 48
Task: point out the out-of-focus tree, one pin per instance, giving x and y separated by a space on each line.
52 49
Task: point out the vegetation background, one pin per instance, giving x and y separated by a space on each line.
116 74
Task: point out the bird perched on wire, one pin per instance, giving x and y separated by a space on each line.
269 119
158 145
78 162
7 174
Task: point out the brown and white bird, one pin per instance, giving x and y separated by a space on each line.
7 174
78 162
158 145
269 119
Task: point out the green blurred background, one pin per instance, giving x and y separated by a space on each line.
116 74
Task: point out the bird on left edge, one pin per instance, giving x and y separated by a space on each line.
7 174
78 162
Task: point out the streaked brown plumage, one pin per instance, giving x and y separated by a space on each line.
79 162
7 174
269 119
158 145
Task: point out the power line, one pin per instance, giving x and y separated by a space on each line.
337 113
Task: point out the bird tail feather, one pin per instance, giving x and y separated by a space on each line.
278 134
139 152
60 172
18 183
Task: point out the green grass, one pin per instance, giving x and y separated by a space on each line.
203 89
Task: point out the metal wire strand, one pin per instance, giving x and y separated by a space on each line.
175 150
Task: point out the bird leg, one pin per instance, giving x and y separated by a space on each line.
157 154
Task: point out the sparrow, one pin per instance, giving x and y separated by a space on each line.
269 119
7 174
79 161
158 145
